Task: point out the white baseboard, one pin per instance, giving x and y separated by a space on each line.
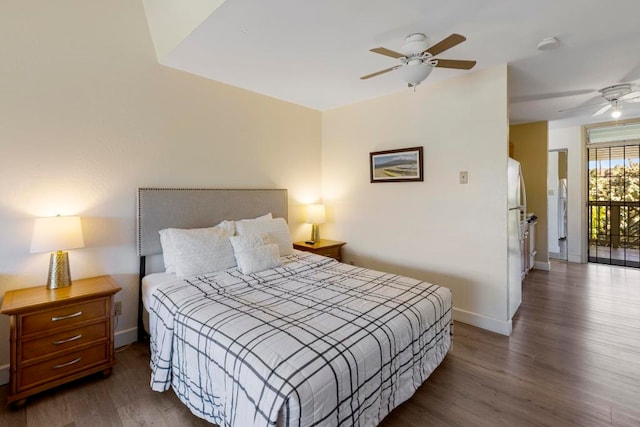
488 323
542 265
125 337
575 258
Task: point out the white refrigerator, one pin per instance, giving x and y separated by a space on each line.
517 208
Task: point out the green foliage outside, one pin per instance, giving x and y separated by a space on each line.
620 183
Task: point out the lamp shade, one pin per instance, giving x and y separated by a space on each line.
316 214
56 234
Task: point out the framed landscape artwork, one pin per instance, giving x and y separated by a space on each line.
400 165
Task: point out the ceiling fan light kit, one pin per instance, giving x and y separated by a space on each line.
417 58
616 114
415 71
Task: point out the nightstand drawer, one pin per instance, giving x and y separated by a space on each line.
63 340
63 316
330 252
61 366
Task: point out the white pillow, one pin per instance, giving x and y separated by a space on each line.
254 254
260 218
249 241
276 228
202 251
169 249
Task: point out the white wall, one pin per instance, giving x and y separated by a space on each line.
438 230
87 116
570 138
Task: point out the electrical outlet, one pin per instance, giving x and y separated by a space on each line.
464 177
118 308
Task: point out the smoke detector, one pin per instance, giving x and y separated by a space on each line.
548 43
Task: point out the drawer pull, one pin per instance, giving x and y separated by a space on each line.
77 337
62 365
68 316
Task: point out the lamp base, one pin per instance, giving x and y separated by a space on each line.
315 233
59 276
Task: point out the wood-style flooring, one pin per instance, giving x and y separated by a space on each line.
573 360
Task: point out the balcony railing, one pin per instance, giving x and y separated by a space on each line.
614 236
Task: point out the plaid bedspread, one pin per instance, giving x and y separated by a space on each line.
314 342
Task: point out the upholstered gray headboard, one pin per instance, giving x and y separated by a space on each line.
160 208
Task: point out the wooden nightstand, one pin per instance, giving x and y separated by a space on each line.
330 248
59 335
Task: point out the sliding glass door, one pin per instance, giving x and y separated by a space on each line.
614 204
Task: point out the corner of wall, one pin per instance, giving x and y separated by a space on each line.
498 326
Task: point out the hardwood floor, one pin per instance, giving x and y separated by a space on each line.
573 360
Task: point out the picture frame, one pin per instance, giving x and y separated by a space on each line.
401 165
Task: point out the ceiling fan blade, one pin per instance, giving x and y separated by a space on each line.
583 106
542 96
377 73
602 110
633 95
455 63
387 52
448 43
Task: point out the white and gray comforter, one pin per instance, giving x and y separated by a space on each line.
314 342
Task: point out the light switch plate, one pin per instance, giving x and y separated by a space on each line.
464 177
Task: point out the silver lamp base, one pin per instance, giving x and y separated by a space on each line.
59 276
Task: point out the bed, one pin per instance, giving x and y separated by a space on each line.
309 341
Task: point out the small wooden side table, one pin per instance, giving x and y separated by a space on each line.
59 335
329 248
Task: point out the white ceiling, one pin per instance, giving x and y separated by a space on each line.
313 53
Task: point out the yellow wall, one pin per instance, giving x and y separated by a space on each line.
530 148
562 164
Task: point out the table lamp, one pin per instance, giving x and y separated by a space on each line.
316 215
55 235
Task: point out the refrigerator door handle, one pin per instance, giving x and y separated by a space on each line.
524 194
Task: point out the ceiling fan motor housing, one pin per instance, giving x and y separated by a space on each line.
415 44
613 93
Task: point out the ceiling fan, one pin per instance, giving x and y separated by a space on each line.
614 96
417 59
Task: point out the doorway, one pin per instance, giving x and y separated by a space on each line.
557 197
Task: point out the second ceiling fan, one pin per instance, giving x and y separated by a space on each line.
615 96
417 59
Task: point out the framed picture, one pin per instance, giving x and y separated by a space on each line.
400 165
